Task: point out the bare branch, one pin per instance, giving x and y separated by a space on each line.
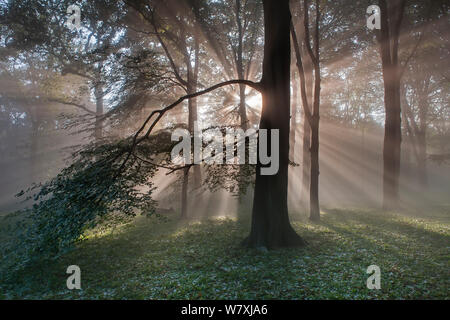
70 103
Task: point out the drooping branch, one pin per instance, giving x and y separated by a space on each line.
71 103
152 21
413 52
160 113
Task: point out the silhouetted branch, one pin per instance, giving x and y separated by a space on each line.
160 113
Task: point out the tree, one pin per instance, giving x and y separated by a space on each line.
311 110
270 220
391 20
423 78
175 27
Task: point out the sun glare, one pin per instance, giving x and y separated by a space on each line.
255 101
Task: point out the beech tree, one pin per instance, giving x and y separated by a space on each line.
270 220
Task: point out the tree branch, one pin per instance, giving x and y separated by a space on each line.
160 113
80 106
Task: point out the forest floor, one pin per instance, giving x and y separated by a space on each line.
154 259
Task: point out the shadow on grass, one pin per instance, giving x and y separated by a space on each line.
151 259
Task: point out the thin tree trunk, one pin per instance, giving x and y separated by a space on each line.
184 191
270 220
293 117
312 115
192 81
98 92
306 164
242 103
34 172
193 111
422 134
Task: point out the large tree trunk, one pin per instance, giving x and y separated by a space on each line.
270 220
391 19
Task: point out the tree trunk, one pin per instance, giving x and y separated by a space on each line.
271 227
422 134
34 168
184 189
239 59
98 92
422 160
293 117
391 150
314 208
314 114
192 104
306 164
314 211
391 19
192 81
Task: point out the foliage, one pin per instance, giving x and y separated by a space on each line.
93 187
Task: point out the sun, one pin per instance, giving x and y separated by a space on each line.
255 101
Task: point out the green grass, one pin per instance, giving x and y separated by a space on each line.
151 259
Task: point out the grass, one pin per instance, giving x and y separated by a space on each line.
152 259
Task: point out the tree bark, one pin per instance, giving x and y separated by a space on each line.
293 117
98 92
271 227
239 59
391 18
192 82
306 164
311 110
306 155
184 189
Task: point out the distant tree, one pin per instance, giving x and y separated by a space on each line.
311 108
388 37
